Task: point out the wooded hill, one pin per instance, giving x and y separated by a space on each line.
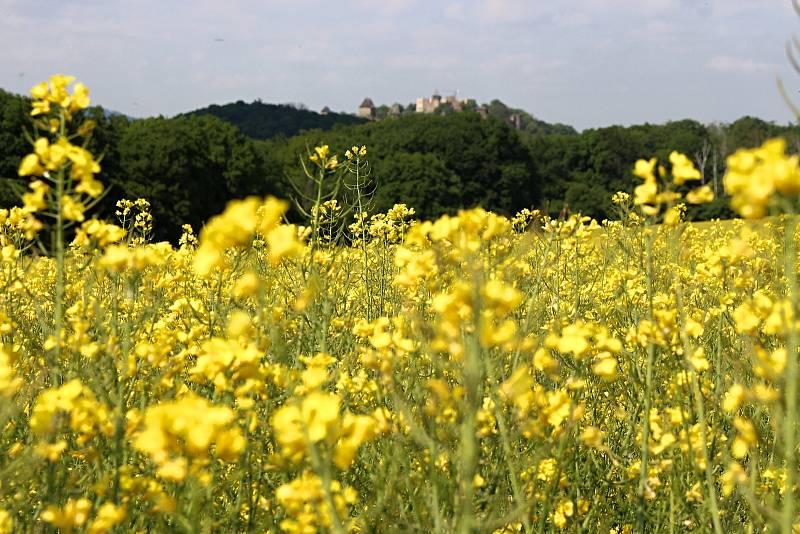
264 121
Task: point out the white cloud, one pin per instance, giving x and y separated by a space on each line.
454 10
511 65
423 62
387 7
655 29
646 7
728 8
573 19
514 10
738 65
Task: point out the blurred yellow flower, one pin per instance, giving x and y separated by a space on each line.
683 169
73 514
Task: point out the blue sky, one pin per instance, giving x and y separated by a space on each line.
588 63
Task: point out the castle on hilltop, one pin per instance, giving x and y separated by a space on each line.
367 109
429 105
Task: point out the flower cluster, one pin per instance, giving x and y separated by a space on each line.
754 176
178 436
650 199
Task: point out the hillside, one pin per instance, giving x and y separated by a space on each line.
519 118
265 121
527 122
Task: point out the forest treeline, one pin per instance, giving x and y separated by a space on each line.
260 120
266 121
189 166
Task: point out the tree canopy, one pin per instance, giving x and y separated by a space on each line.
264 121
188 168
471 161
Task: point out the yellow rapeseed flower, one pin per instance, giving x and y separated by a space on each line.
683 169
73 514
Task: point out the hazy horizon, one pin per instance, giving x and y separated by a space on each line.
598 63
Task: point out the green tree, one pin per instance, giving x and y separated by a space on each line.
14 120
587 199
421 181
264 121
492 165
189 168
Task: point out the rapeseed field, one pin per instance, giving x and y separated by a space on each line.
374 373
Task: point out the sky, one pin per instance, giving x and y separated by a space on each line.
588 63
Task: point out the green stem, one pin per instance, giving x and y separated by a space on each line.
324 474
645 449
506 443
713 509
790 421
58 304
363 240
472 372
697 392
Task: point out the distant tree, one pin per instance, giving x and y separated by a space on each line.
719 208
529 124
14 119
588 199
421 181
748 132
188 168
264 121
474 149
599 162
474 161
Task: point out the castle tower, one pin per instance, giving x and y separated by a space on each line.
436 99
367 109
